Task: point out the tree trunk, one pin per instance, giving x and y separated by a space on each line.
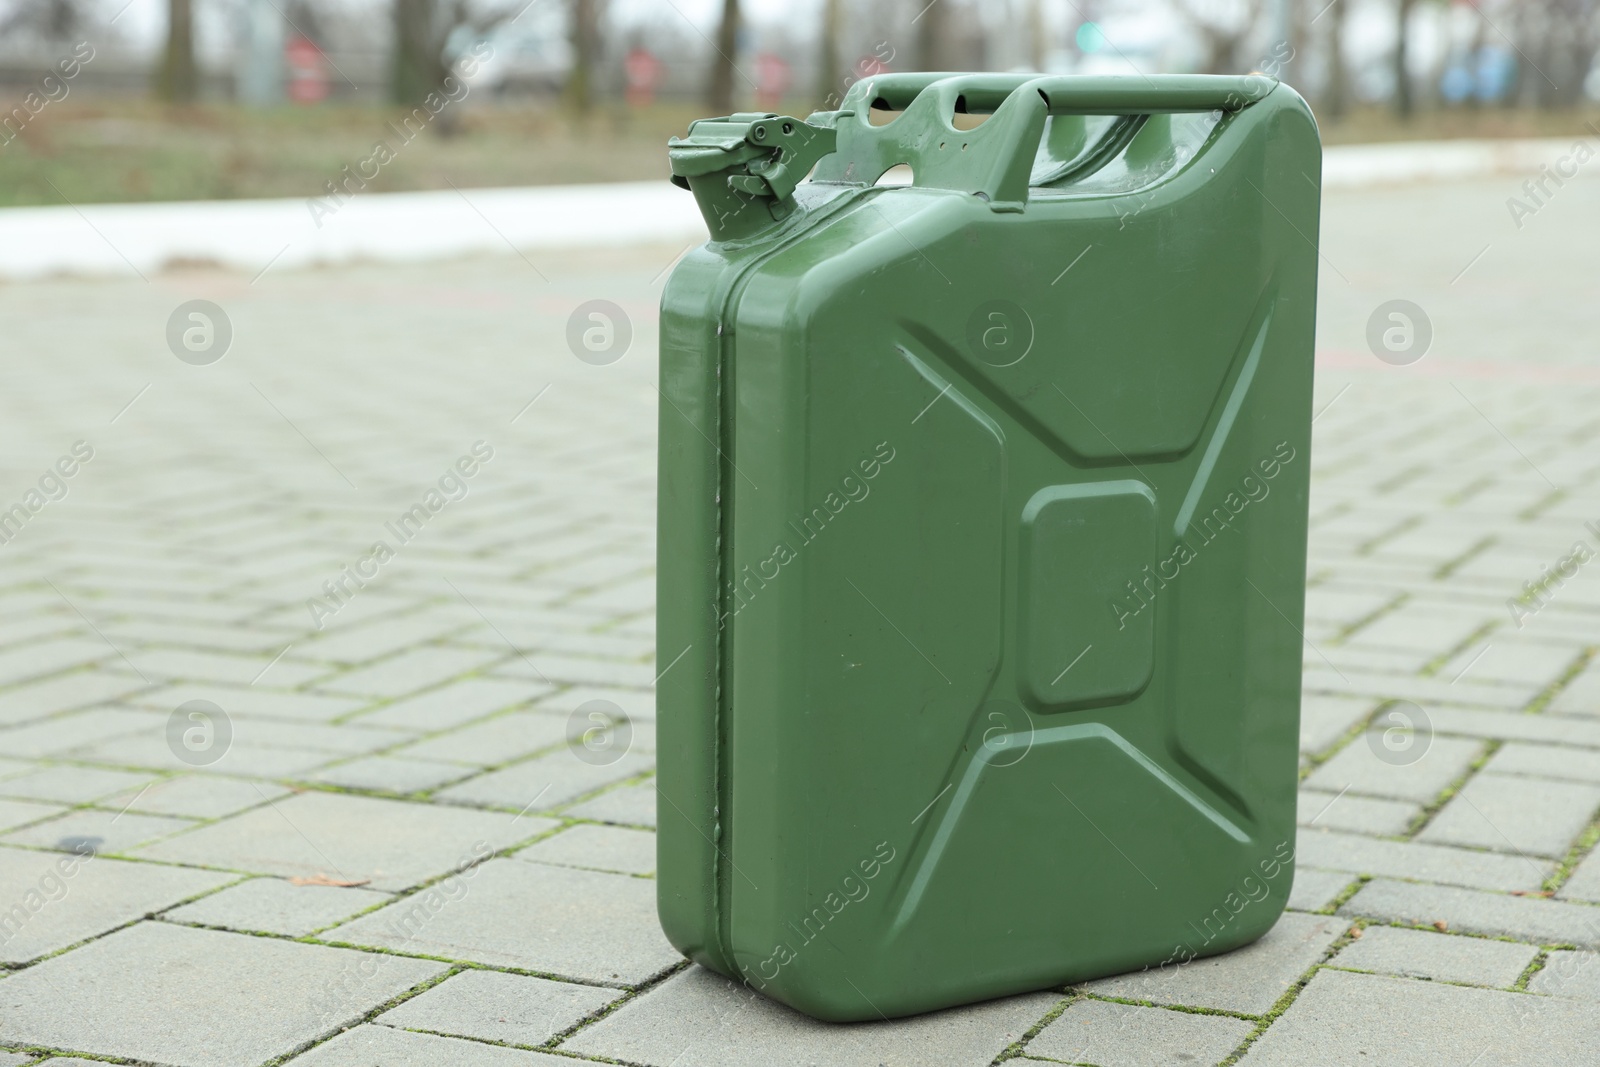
932 36
585 55
1037 34
830 81
1404 103
419 66
179 79
719 91
1338 71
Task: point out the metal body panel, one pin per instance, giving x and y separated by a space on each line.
993 622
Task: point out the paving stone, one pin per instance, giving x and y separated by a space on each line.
637 704
14 813
493 741
1445 957
1584 883
103 831
10 768
243 999
1568 974
35 700
381 1046
409 671
17 1059
1510 726
199 796
68 784
605 848
149 748
1249 980
392 843
1314 890
392 774
275 906
633 805
577 924
257 701
1366 815
1122 1035
1378 1021
1334 850
1546 761
1581 696
1508 659
700 1019
193 665
1506 697
1325 719
456 703
48 737
1358 768
1472 911
373 638
49 901
547 781
1523 815
495 1006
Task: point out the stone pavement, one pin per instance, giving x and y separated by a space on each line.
411 823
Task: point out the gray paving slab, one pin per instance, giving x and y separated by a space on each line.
456 703
262 701
1359 769
277 906
391 843
1366 815
381 1046
1124 1035
1248 980
631 805
35 700
50 900
700 1019
493 741
1512 814
494 1006
1531 919
1546 761
149 748
1326 719
99 829
14 813
66 783
1358 854
1584 883
392 774
1314 890
1378 1021
1441 956
246 999
604 848
1581 696
559 921
409 671
1568 974
547 781
58 733
198 796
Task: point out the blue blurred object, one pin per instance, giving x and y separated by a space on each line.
1485 74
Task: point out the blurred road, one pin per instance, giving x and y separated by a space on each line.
392 717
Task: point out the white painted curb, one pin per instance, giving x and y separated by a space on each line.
251 235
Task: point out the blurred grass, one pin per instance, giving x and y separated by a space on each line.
98 151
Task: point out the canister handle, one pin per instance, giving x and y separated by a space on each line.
994 160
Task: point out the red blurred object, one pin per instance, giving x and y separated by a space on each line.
643 71
773 78
308 70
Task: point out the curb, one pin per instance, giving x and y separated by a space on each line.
252 236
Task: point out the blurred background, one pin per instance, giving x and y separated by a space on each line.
129 100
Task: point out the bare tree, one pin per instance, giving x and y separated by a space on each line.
1223 28
178 78
422 29
1560 40
933 36
1404 99
51 21
585 33
829 79
1338 83
719 91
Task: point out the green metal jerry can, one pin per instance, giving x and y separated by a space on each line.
982 535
